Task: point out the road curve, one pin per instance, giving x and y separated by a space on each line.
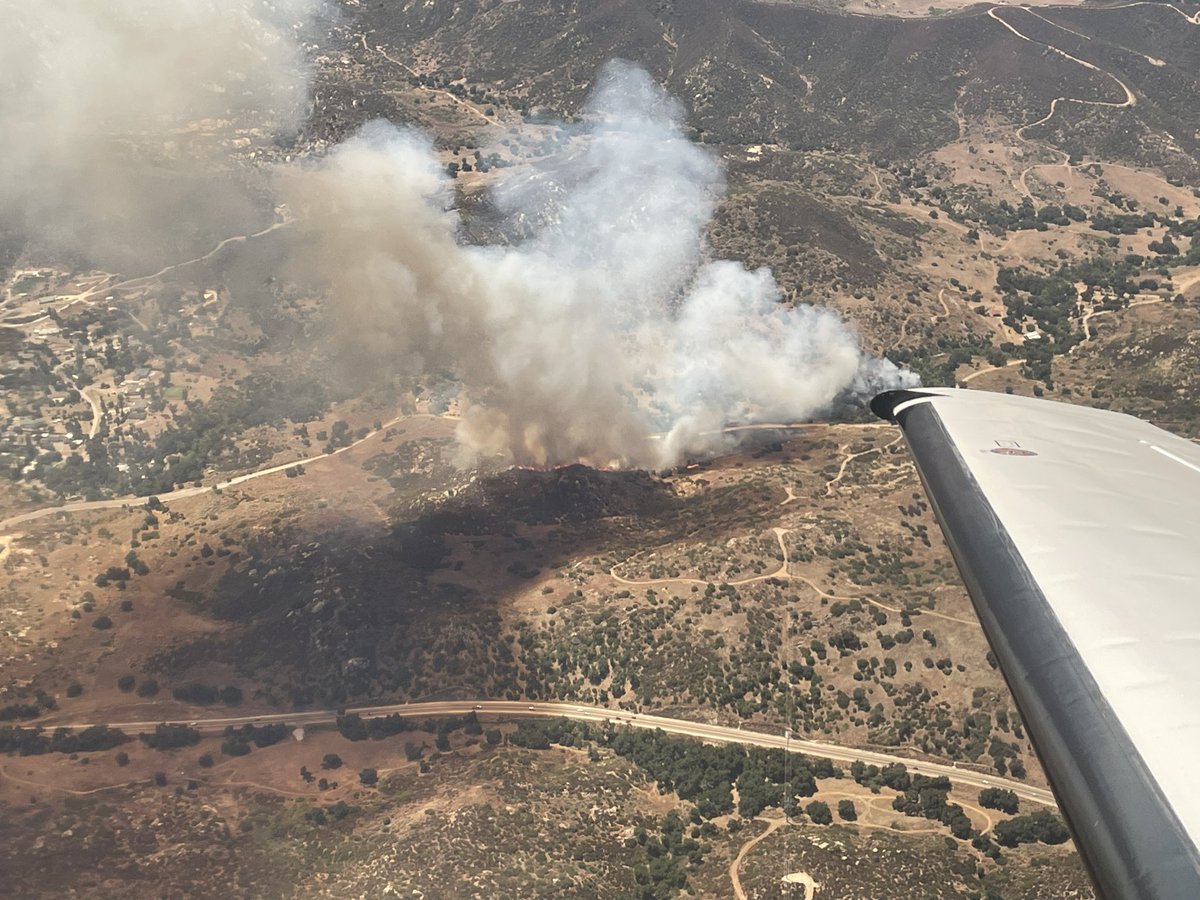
718 734
181 493
1008 364
1130 97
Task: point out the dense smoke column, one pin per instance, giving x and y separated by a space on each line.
608 338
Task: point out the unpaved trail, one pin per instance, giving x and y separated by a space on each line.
837 479
772 826
821 592
465 104
1183 282
781 573
1153 60
989 369
93 400
1194 19
1129 101
1085 323
945 314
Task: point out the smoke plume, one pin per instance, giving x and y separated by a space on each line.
610 337
119 121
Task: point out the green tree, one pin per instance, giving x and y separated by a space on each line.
819 812
999 798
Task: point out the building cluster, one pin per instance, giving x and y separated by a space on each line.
71 368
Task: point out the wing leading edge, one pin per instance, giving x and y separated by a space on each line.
1077 533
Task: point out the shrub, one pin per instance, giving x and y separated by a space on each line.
235 746
200 694
169 736
230 695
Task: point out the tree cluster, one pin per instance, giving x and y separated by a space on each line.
662 875
1042 826
696 772
999 798
927 797
35 741
206 694
171 736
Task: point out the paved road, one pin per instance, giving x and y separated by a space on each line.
712 733
181 493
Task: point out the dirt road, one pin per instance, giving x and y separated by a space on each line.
736 865
1129 101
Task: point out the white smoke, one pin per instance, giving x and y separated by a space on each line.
610 337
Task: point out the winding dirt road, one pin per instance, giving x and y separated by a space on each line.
783 573
1086 321
105 286
93 400
1129 101
989 369
465 104
1193 19
735 866
837 479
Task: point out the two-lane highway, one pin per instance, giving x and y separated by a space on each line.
599 715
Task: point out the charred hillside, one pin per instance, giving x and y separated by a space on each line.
362 611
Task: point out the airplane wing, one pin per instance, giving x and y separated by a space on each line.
1077 532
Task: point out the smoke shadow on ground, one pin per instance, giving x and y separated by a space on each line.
417 609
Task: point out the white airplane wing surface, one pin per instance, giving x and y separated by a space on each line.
1077 532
